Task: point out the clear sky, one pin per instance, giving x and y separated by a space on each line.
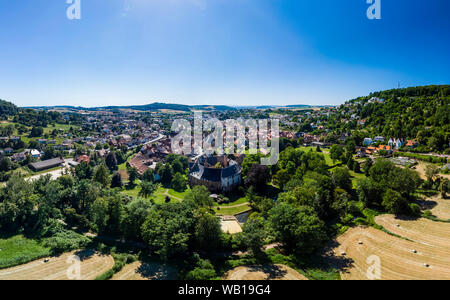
231 52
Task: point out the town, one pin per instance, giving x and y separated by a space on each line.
340 156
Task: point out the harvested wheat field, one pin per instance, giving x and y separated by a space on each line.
442 208
399 259
92 264
422 230
265 272
146 271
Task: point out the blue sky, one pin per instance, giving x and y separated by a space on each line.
232 52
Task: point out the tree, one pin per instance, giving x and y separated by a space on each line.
258 176
208 231
369 192
167 229
136 212
17 204
147 189
341 178
166 174
253 235
444 187
36 132
116 180
281 178
49 152
336 152
83 171
199 196
179 183
101 175
203 271
148 175
7 130
132 175
394 203
367 165
177 166
430 172
5 164
111 161
298 228
99 214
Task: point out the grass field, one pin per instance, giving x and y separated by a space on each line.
232 210
18 250
160 194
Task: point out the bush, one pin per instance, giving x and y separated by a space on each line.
427 213
65 241
415 209
203 271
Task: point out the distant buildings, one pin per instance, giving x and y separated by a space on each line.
150 154
395 143
367 142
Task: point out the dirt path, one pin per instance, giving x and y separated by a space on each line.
92 264
235 206
357 251
264 272
166 193
146 271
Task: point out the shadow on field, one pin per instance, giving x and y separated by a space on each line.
273 271
155 271
339 262
84 254
426 204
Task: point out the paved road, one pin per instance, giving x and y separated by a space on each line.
155 140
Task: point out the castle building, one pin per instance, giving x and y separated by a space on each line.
217 173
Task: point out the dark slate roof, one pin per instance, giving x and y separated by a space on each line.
199 171
210 174
194 167
211 160
47 163
230 171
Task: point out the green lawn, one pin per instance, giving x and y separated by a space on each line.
232 210
18 250
159 195
237 202
325 153
65 127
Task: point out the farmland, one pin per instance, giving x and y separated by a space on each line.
399 258
145 271
264 272
92 264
